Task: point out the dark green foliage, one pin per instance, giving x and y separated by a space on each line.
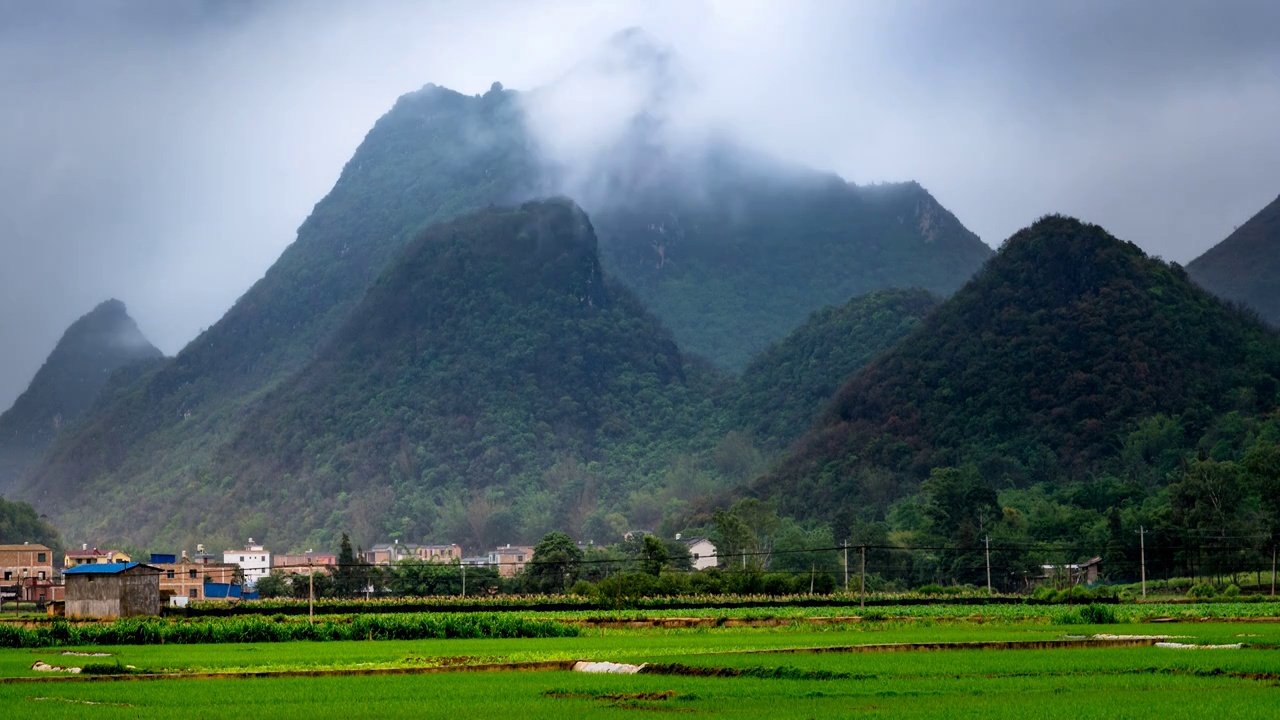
491 371
784 388
1036 371
555 563
1245 268
90 351
19 523
350 575
156 631
653 555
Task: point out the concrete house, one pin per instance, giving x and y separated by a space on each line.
702 552
393 552
183 580
112 590
510 560
87 556
254 559
26 573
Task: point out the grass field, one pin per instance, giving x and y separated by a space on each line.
719 672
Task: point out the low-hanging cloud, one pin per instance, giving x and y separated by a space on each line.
165 152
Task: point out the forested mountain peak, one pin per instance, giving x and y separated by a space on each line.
1245 267
491 385
1034 371
91 349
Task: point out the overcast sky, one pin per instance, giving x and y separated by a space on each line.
165 152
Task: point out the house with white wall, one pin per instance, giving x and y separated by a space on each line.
254 560
701 551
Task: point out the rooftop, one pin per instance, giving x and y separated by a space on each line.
106 568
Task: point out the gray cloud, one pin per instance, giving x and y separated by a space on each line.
164 152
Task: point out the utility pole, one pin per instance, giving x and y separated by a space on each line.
311 590
862 594
846 567
987 539
1142 543
464 577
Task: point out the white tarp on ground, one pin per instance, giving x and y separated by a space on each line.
607 667
1185 646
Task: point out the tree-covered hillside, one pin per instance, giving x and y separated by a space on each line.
748 256
73 375
491 384
784 388
1040 370
1245 268
434 155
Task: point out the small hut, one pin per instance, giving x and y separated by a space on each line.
112 590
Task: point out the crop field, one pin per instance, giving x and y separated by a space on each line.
795 670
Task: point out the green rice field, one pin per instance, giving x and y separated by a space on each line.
791 670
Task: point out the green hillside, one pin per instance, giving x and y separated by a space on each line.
1245 268
91 349
491 384
436 154
760 248
783 389
1079 379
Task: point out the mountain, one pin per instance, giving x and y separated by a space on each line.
91 349
749 255
492 367
735 266
434 155
783 389
1245 268
1038 370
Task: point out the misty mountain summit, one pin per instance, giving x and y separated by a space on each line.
90 351
730 250
1245 268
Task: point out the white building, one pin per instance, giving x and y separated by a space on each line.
254 560
702 552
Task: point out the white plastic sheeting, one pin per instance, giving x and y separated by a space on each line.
607 667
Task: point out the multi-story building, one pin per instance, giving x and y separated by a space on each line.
510 559
185 578
302 564
254 560
94 556
26 572
394 552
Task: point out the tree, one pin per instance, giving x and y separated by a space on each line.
653 555
555 563
20 523
349 576
272 586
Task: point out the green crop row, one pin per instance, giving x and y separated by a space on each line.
156 631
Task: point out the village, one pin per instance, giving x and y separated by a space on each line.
97 583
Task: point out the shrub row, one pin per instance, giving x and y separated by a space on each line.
156 631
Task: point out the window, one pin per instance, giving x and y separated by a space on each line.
8 575
241 558
695 556
42 574
169 575
192 573
40 557
193 592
